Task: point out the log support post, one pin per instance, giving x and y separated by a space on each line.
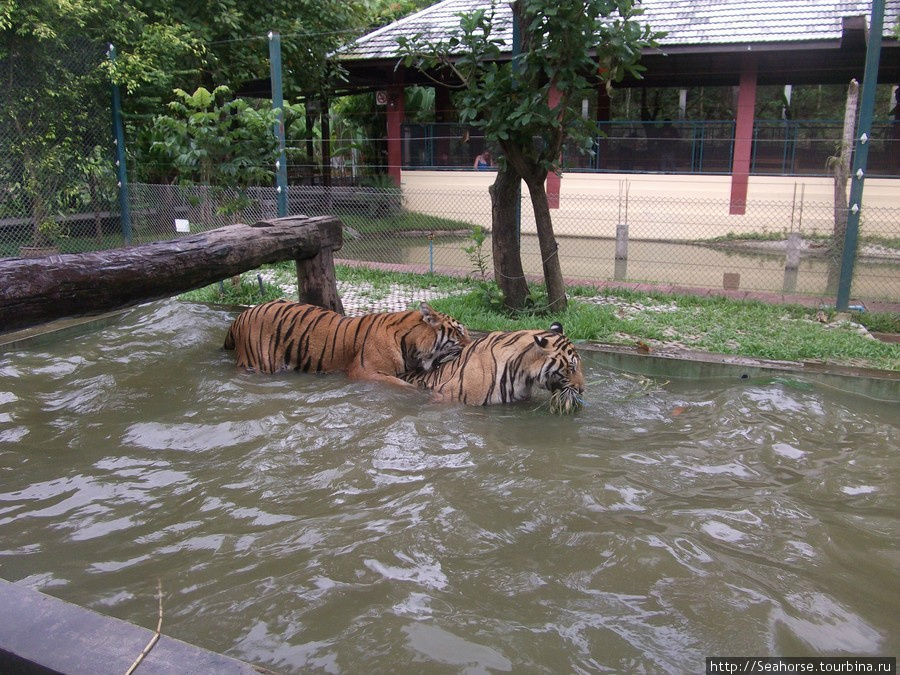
316 282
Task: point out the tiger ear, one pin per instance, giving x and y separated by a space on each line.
541 341
429 315
556 327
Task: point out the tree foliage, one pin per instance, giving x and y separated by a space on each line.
530 106
213 139
52 92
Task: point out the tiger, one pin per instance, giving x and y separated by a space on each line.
504 367
281 335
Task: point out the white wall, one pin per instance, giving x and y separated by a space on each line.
661 206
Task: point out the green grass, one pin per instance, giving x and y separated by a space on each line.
383 280
720 325
226 293
717 325
879 322
285 274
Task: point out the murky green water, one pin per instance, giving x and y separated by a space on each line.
312 523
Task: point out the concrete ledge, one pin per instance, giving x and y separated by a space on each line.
57 330
42 634
672 362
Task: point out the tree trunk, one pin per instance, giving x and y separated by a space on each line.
43 289
508 271
556 289
842 170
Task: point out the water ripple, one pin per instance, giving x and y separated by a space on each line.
318 523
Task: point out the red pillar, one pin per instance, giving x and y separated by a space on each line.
394 140
743 137
553 179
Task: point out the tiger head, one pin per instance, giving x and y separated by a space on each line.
450 336
560 369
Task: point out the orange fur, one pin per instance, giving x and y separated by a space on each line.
504 367
280 335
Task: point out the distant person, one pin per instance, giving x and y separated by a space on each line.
483 161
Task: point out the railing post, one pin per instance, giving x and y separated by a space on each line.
861 155
119 141
278 105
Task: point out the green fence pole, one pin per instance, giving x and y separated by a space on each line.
278 106
861 153
119 140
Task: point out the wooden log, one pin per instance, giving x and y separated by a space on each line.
34 291
316 284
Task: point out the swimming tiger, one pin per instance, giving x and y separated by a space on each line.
504 367
281 334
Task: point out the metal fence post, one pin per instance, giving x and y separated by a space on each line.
278 105
119 141
861 154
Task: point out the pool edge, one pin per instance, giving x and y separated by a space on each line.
52 635
681 363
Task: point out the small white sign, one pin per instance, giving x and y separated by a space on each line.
182 225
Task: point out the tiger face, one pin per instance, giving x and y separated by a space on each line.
504 367
450 338
561 368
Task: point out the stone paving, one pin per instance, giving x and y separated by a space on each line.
363 298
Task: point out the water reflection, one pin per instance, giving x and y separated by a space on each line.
312 523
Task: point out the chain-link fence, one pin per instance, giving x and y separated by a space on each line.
640 233
59 193
57 174
633 232
166 211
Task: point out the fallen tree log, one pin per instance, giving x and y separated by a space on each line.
37 290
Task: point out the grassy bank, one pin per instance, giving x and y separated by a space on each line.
717 325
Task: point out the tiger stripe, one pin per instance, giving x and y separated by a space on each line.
281 335
504 367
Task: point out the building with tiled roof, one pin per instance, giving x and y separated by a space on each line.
825 38
707 43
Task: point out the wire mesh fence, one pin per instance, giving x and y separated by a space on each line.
167 211
57 174
637 234
777 246
59 192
